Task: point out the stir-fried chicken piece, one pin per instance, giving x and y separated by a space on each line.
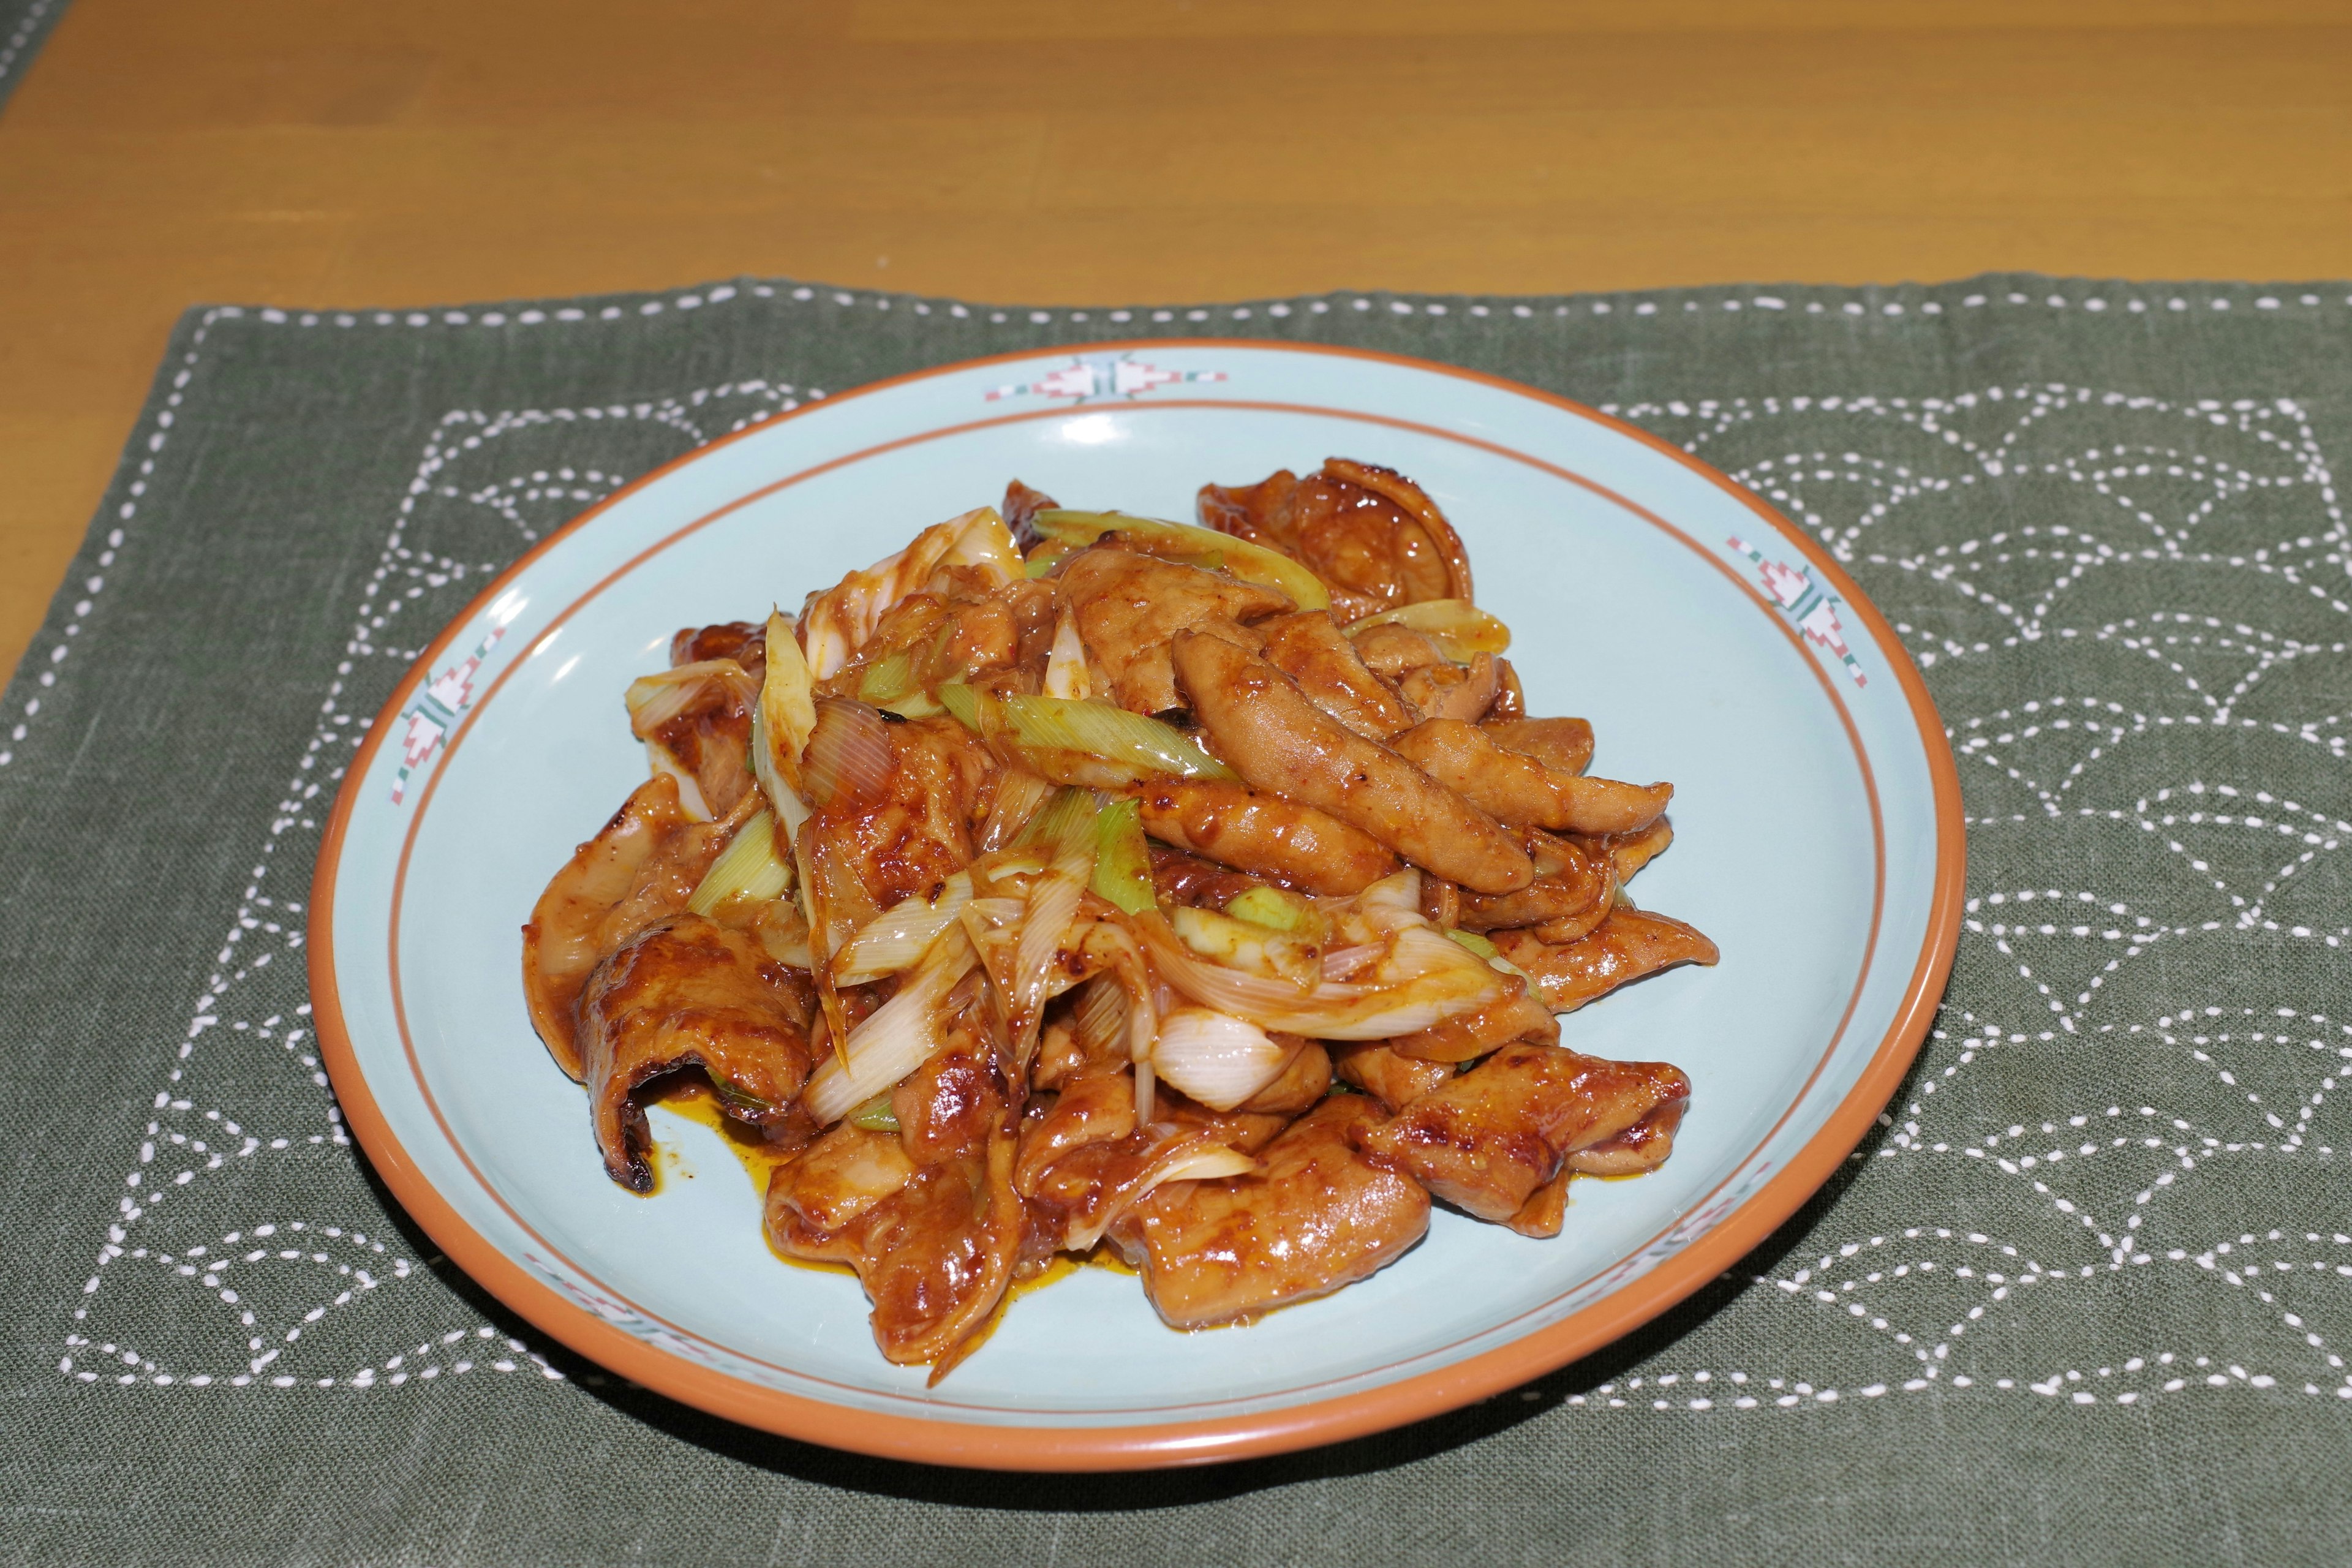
1627 945
1393 652
1394 1080
1279 740
1630 852
687 992
1563 745
1450 691
1521 790
1368 533
1128 605
1084 1161
1311 649
745 642
1022 504
1304 1078
642 865
1319 1216
1517 1015
699 724
1510 697
936 1250
1265 835
1180 878
896 819
1485 1140
1576 881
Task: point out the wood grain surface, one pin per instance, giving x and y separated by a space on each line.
166 153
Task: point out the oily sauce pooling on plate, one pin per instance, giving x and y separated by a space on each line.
1072 878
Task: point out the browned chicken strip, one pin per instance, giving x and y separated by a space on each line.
1128 606
1485 1140
687 992
1632 851
1575 881
1451 690
1311 649
1368 533
1517 1015
1279 740
935 1245
642 865
1563 745
1264 834
1380 1070
1319 1217
1627 945
1521 790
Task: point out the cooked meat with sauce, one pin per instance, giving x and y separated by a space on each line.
1071 881
1317 1218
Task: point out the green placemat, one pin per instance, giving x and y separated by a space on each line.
24 26
2086 1296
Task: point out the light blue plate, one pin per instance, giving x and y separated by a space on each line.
1817 841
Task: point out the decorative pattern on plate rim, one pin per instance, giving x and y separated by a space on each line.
1805 602
434 712
1089 377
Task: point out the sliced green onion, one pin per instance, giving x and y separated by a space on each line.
962 702
1091 744
1192 546
1272 908
748 872
887 680
787 709
1066 822
1136 741
1122 860
876 1115
1460 629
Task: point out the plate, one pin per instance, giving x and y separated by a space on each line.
1817 840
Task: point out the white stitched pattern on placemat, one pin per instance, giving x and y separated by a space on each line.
252 1272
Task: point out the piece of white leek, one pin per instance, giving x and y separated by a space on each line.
748 872
1217 1058
1192 546
787 704
898 1037
1422 980
1246 945
1460 629
1066 662
900 934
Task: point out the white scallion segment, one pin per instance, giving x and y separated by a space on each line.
1215 1057
1192 546
1066 662
787 703
900 935
1246 945
655 699
1419 980
1460 629
898 1037
748 872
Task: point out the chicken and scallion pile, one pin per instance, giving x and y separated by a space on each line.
1072 880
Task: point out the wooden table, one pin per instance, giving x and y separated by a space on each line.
163 153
